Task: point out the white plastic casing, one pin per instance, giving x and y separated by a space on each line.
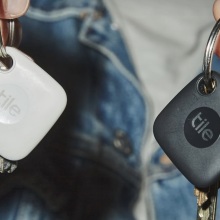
30 103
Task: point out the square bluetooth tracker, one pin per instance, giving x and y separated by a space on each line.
31 101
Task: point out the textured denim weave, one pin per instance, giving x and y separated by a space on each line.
88 166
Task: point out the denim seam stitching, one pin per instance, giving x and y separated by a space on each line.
111 56
163 176
55 15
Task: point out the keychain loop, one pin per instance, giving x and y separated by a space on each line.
3 53
210 84
12 29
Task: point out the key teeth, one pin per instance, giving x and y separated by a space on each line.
7 166
206 202
202 197
12 168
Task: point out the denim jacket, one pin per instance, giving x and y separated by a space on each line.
89 165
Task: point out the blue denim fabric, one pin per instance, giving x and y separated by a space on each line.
88 166
172 195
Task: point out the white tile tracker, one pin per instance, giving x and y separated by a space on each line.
31 101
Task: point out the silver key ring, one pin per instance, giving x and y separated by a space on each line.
3 53
13 31
14 34
207 61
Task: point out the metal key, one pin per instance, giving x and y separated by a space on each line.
207 202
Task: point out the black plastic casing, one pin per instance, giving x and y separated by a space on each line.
199 164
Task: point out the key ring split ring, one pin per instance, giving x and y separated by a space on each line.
207 61
3 53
